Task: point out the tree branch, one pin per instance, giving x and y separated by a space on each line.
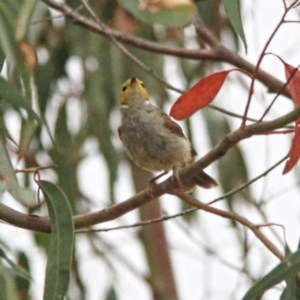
218 53
232 216
186 175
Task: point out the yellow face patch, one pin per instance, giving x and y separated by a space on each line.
133 91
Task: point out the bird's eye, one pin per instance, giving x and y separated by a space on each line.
142 84
124 88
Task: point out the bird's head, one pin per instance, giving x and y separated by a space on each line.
133 92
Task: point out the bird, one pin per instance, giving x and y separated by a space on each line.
151 139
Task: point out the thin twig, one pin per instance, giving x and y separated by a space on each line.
130 226
232 216
283 87
277 225
260 59
243 186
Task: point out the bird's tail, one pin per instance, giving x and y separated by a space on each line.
205 181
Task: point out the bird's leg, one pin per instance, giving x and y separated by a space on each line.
152 180
152 183
178 183
175 177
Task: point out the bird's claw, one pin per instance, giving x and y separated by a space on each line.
152 184
175 178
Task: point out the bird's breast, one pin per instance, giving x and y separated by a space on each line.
149 144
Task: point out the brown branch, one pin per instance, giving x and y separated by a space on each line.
91 25
234 137
232 216
18 219
190 210
42 224
218 53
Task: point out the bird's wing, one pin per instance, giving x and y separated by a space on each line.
175 128
171 125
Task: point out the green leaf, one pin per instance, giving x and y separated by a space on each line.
178 16
27 132
289 293
23 284
11 95
208 14
8 179
232 8
7 284
287 269
24 18
16 269
7 34
61 244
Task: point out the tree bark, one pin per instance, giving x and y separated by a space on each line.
155 243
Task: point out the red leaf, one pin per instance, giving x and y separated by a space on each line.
294 88
294 82
198 96
294 152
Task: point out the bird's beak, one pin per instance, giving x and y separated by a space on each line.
133 80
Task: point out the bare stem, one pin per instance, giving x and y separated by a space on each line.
257 66
232 216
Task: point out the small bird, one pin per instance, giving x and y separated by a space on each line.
152 140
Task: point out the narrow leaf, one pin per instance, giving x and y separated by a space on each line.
171 14
12 96
294 152
7 38
8 179
293 77
198 96
284 271
61 244
27 132
16 269
294 83
232 8
7 284
290 292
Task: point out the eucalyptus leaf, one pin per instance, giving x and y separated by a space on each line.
16 269
176 16
288 268
289 293
9 94
232 8
7 39
7 284
62 242
9 179
27 131
24 18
